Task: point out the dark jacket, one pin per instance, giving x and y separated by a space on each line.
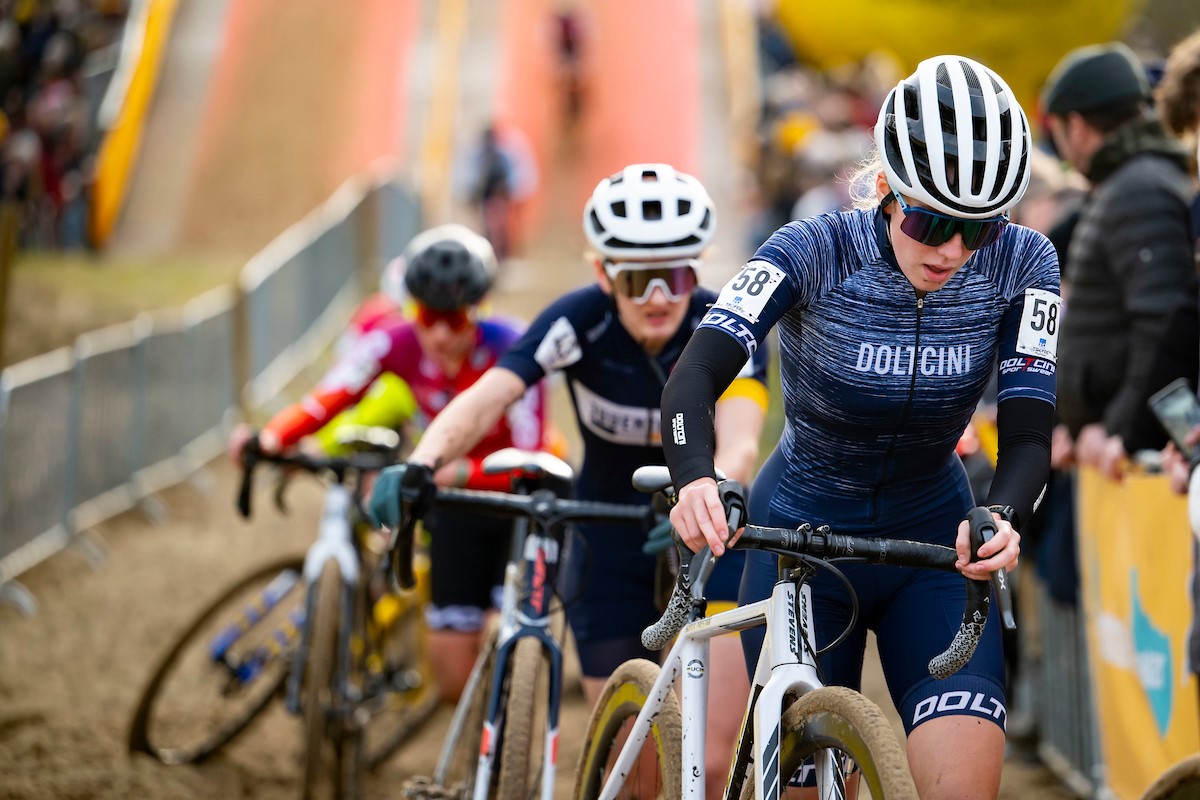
1129 267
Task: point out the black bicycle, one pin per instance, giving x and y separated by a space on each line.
503 739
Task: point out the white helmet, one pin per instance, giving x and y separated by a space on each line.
953 136
649 211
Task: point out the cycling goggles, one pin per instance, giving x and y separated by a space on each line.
638 279
934 229
456 319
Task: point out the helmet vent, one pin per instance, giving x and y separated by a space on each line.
652 210
618 208
684 207
972 79
649 175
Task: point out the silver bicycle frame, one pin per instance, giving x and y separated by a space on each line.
785 664
334 539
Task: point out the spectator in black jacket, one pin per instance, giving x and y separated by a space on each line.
1129 266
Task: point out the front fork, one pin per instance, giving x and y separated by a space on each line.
786 663
524 613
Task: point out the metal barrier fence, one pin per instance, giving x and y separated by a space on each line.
1069 744
89 432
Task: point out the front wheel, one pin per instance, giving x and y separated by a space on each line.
656 773
224 669
1180 782
519 746
330 745
850 744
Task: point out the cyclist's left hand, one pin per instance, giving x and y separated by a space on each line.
1001 551
699 517
402 489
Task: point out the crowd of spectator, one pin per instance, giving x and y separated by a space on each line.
46 122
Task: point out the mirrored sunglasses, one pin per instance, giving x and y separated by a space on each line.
637 280
933 228
456 319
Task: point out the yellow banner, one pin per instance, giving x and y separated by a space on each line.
118 151
1022 40
1135 552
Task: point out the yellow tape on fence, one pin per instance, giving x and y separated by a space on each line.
1136 559
118 152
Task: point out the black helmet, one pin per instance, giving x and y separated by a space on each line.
448 267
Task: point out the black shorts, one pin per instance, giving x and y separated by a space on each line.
468 553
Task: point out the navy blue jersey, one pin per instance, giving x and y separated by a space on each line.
879 383
616 386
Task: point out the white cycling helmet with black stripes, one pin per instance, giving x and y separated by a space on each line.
649 211
953 137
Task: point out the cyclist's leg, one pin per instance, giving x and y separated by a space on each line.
461 591
955 726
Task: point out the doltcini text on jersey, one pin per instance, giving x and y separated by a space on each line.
883 359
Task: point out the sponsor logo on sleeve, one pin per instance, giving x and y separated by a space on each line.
677 433
733 326
560 346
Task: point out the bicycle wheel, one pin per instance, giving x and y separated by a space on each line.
329 753
520 747
224 668
1180 782
459 758
405 696
852 730
626 692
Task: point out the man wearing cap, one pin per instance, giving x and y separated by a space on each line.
1129 266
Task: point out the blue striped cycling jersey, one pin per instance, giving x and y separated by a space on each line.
879 383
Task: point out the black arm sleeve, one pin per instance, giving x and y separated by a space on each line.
1024 426
708 365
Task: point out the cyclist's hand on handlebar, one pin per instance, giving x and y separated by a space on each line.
1002 551
699 517
400 492
242 436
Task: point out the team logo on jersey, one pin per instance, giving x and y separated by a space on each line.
615 422
355 371
731 325
559 348
1037 366
884 359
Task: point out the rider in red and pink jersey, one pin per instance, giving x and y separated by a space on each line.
443 349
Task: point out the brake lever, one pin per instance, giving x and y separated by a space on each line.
983 528
250 459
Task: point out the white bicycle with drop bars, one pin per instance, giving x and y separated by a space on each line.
796 731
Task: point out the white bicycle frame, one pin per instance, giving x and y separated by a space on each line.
785 664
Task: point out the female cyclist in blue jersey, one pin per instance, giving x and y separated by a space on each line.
616 341
891 321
